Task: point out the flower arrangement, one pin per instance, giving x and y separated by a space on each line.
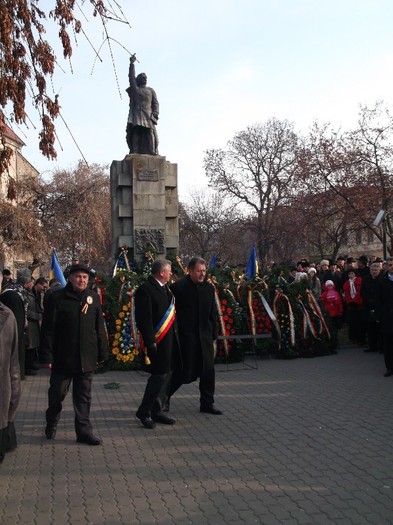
243 306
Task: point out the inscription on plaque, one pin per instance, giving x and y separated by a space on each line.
148 175
149 240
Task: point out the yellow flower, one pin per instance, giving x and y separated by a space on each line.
118 321
117 336
121 314
135 351
118 328
115 351
125 308
115 343
131 357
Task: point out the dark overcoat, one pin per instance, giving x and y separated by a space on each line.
151 304
197 324
9 367
72 340
384 303
14 301
34 316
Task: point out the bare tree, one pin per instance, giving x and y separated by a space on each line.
74 211
207 224
256 171
355 166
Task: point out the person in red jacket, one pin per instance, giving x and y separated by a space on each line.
332 303
354 302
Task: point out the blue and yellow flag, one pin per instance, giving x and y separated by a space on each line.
55 269
252 264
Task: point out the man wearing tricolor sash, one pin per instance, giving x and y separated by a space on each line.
156 320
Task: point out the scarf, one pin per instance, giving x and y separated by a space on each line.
352 289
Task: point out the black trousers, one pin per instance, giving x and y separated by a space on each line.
207 383
388 350
81 398
156 386
374 336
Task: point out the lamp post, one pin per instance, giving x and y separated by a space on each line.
380 219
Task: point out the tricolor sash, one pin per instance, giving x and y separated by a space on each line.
166 322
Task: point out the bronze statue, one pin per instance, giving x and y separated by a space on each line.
141 131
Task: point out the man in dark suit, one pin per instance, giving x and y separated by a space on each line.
368 291
155 319
384 314
197 318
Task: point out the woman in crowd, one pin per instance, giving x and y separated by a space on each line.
314 284
354 306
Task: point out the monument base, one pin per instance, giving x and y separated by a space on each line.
144 206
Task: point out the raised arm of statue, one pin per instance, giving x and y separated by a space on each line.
131 76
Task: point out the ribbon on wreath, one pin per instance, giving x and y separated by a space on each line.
291 325
221 321
135 335
318 312
123 283
270 313
253 324
307 324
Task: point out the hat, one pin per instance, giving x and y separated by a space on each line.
329 283
24 275
79 268
350 260
312 269
331 262
324 262
363 259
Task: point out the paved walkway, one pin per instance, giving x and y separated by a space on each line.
307 441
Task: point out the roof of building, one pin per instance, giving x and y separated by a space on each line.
11 134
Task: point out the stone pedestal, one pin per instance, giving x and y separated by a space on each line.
144 203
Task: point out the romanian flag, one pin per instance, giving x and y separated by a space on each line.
55 270
252 264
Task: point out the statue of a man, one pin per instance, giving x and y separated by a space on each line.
141 131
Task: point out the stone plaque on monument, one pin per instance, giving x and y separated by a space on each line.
148 175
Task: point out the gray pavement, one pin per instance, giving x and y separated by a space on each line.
305 441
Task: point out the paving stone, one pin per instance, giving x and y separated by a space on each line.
303 441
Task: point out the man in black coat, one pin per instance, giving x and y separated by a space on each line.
368 291
13 296
384 313
74 342
156 320
197 322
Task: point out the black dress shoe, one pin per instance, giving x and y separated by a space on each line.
165 420
210 409
89 440
50 432
388 373
146 421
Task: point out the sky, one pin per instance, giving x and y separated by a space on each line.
218 66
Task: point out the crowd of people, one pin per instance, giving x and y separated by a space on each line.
62 327
359 293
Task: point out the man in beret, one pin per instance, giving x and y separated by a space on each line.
75 343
